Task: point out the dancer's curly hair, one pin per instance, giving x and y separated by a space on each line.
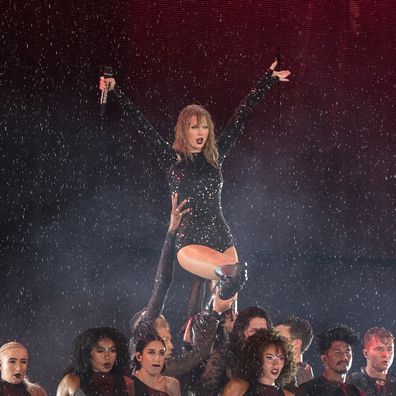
250 366
337 333
237 337
180 144
80 359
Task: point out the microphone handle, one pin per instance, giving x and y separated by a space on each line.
103 101
108 72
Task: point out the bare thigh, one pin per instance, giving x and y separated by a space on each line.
201 260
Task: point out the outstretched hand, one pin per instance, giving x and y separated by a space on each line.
177 212
282 75
108 83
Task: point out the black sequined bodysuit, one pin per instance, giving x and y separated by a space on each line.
197 179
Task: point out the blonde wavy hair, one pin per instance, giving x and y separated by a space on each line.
180 144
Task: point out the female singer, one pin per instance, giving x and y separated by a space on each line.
204 243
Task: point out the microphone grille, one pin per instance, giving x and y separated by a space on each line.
108 71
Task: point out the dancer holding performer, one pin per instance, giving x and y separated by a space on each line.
204 243
151 321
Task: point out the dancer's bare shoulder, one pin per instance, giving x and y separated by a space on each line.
236 387
36 390
69 385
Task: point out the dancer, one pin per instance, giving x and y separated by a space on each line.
265 364
151 321
13 368
149 363
99 365
335 348
204 243
300 334
375 379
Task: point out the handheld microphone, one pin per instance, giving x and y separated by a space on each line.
107 72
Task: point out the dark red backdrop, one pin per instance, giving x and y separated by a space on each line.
309 189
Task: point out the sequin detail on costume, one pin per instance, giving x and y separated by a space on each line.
197 179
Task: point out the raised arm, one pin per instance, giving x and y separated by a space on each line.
214 375
161 148
164 274
204 330
188 360
235 125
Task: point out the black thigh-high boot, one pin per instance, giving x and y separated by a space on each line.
232 279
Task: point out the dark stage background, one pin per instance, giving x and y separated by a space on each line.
309 189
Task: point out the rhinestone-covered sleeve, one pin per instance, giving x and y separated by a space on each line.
235 125
161 148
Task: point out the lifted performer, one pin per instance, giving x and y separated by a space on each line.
204 243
